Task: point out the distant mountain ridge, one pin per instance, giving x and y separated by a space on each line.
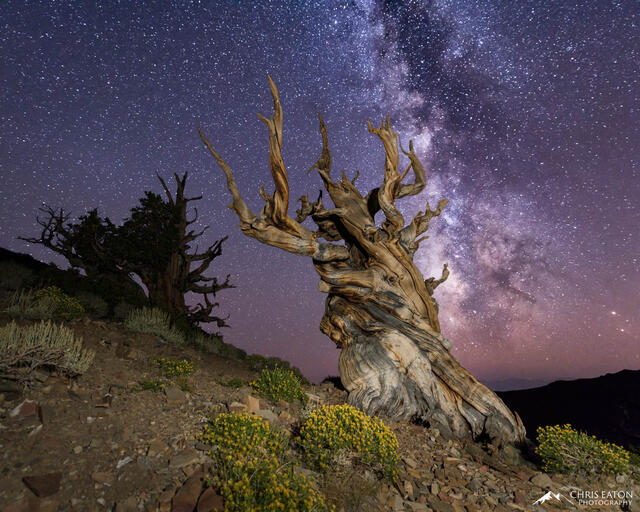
513 383
607 406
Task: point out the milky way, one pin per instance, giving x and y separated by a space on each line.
524 113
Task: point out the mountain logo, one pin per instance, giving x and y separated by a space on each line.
552 496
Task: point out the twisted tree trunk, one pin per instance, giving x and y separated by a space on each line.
380 311
178 277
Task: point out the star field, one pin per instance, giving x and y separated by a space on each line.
524 113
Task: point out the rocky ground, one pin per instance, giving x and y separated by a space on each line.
101 443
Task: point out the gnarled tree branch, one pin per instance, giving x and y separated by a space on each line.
379 309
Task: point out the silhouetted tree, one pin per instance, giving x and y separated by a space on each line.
153 243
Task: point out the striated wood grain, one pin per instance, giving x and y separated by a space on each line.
380 310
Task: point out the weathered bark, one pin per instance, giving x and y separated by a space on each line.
185 271
379 310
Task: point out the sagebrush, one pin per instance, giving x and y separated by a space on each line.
154 321
44 344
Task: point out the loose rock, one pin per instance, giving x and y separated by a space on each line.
43 485
542 480
25 409
210 501
174 394
187 496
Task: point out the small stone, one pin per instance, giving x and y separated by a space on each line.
458 507
34 432
492 486
77 392
416 507
541 480
187 496
210 501
102 501
253 404
25 409
165 496
184 458
511 454
474 485
43 485
77 449
408 490
199 445
441 506
144 462
102 477
123 462
286 418
128 505
174 394
411 462
156 448
435 488
237 407
268 415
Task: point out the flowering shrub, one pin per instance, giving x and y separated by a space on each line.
249 471
62 305
332 430
563 449
152 385
173 368
279 384
45 304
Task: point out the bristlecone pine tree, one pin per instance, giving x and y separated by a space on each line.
379 310
185 269
154 244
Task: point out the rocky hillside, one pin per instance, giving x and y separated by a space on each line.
102 443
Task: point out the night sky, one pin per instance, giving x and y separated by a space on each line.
525 114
